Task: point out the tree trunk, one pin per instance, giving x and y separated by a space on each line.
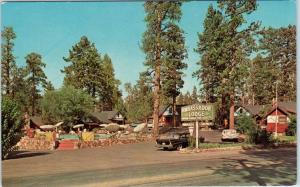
174 111
231 118
33 102
156 95
156 101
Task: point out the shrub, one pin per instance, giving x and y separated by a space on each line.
245 124
112 128
292 128
259 136
11 124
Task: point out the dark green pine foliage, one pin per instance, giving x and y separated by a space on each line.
7 59
210 49
194 95
85 70
160 16
139 101
180 99
20 88
263 73
278 46
109 93
49 86
238 43
35 78
173 65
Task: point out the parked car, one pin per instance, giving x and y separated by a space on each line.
231 135
173 138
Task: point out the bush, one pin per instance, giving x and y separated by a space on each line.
245 124
11 124
112 128
292 128
259 136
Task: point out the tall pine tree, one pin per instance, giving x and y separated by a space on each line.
7 59
173 65
109 93
159 16
85 70
35 78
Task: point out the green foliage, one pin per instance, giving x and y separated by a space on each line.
112 128
7 59
109 94
259 136
85 70
245 124
161 48
35 77
88 71
292 128
278 47
67 104
225 47
11 124
139 101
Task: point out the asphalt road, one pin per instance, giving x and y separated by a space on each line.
142 165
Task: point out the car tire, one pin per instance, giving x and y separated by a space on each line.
179 147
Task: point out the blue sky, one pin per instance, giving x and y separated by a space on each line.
51 29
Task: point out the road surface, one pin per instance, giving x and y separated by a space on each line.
142 165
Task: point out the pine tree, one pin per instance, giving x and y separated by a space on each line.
209 47
194 95
278 46
159 15
263 73
139 100
85 71
109 93
49 86
7 59
20 88
35 78
173 65
180 99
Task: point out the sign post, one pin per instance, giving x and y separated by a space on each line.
198 113
197 134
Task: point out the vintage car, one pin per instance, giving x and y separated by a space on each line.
231 135
173 138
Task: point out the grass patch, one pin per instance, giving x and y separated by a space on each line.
287 139
219 145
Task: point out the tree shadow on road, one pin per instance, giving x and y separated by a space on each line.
266 167
24 154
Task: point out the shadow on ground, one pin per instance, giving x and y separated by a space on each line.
24 154
273 170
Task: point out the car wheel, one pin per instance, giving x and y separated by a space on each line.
179 147
165 149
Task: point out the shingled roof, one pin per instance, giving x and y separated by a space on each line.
104 116
253 109
36 121
290 106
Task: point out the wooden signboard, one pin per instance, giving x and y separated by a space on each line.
198 112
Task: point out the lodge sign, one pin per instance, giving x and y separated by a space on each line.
200 112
